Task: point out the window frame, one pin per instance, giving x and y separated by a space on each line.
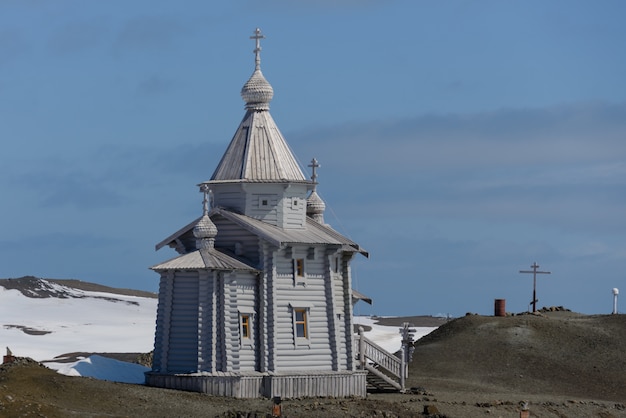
299 271
301 324
246 341
265 201
301 341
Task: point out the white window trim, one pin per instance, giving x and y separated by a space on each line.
296 278
246 341
306 307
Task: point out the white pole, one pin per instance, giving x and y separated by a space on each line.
615 293
361 348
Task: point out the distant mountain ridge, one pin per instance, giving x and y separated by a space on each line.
34 287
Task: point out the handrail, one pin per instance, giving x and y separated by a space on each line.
384 359
383 376
369 350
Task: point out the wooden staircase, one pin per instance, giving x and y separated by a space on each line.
386 372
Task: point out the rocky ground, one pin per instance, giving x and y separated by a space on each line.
559 364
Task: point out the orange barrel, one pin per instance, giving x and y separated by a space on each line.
500 307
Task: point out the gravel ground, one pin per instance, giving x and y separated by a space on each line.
560 364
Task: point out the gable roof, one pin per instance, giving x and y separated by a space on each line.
205 258
313 232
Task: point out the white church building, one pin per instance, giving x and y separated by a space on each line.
258 302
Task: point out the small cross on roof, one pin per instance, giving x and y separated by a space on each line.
257 51
314 165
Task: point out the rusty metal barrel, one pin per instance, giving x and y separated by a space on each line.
500 307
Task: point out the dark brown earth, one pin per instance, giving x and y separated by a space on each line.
561 364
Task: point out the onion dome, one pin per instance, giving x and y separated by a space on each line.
205 232
315 207
257 92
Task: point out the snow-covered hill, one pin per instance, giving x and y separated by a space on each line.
48 319
44 320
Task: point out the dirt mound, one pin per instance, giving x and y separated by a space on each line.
557 354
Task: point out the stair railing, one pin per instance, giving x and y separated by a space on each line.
370 351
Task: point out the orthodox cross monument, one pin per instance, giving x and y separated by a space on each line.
258 303
535 272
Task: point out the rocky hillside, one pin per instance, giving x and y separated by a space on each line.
34 287
551 353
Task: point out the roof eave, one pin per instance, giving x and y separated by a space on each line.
177 234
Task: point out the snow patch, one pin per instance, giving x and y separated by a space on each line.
103 368
388 337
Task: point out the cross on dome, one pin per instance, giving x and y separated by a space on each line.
205 201
257 51
315 206
257 92
314 165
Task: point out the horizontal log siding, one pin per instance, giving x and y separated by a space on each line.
317 353
347 295
331 315
206 321
231 322
220 337
230 234
246 302
229 196
267 308
183 343
293 216
341 320
161 335
265 213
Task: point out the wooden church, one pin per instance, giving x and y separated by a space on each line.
258 303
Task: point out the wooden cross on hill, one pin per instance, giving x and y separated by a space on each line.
535 272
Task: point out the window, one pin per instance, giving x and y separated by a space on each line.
300 323
301 314
245 326
264 201
299 267
246 332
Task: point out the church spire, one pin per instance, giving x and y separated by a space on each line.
258 152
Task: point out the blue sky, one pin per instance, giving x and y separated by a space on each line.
459 141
